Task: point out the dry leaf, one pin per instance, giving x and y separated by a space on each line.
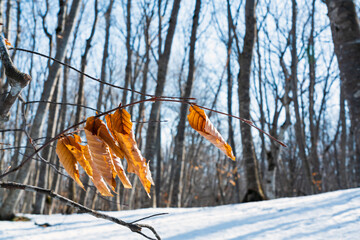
202 124
68 160
120 125
8 44
103 149
82 155
120 170
73 144
97 179
100 153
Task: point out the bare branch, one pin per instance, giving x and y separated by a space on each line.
93 78
18 80
133 227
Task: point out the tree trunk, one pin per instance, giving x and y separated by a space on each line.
105 53
314 157
128 68
7 210
180 136
299 131
44 169
345 30
235 171
343 140
80 100
254 188
163 61
18 28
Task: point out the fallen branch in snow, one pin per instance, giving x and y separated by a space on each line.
133 227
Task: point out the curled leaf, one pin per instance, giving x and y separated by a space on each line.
100 154
68 160
97 179
82 155
202 124
100 142
73 144
120 125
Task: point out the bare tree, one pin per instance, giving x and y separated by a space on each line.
345 30
163 61
180 135
81 99
128 68
105 53
254 189
8 207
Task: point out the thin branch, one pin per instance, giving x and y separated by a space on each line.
154 215
96 79
248 122
133 227
61 103
82 122
11 130
153 99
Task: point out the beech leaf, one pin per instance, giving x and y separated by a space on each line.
73 144
68 160
83 156
202 124
97 179
120 125
103 150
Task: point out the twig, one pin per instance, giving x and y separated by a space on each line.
154 215
96 79
133 227
248 122
61 103
11 130
82 122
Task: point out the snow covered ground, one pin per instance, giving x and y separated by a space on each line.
334 215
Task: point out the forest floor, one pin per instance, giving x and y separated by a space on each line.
333 215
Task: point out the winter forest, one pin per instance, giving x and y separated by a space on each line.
289 68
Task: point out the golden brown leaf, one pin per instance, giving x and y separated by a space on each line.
97 179
202 124
68 160
120 170
100 154
120 125
98 127
82 155
103 149
73 144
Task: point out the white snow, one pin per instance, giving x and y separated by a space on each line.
334 215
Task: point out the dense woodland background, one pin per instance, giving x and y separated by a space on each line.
273 62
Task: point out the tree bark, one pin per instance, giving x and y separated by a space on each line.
345 30
254 188
163 61
46 153
128 68
314 157
105 53
235 171
81 99
180 136
7 210
299 131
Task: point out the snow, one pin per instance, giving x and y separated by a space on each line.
334 215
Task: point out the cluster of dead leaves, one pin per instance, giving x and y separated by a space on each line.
109 143
101 157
